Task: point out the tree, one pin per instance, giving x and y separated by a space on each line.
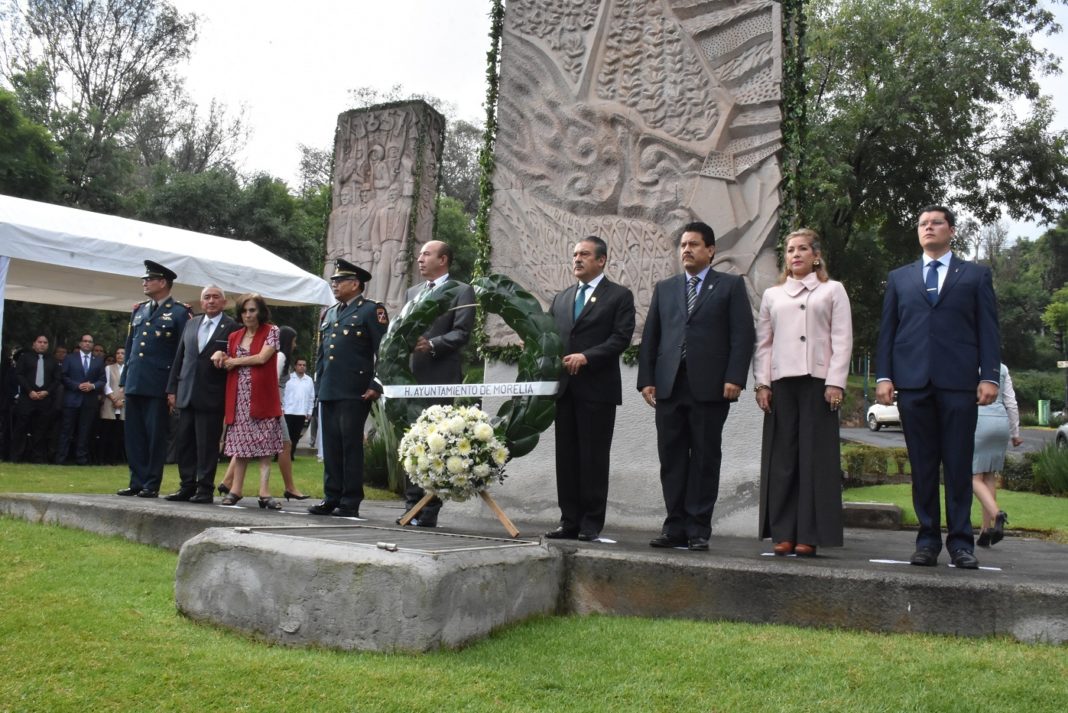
460 171
85 66
27 154
910 102
1056 317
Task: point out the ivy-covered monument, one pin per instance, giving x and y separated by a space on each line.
627 119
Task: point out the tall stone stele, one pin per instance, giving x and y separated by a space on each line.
386 161
627 119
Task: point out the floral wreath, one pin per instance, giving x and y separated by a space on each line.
519 421
453 451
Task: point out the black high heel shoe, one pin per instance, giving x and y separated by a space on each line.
223 490
295 496
984 539
269 503
998 533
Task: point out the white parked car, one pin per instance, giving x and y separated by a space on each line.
879 416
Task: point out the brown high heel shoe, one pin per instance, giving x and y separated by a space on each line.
805 550
784 548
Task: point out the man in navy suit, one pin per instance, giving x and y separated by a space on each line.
595 318
939 347
155 329
197 389
83 382
693 363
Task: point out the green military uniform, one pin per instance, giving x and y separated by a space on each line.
344 370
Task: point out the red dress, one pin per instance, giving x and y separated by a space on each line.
249 437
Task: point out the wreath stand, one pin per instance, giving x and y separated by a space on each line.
410 515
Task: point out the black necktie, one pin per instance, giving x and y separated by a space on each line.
932 281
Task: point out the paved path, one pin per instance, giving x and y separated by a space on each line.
1035 439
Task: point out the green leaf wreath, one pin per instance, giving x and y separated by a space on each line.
520 421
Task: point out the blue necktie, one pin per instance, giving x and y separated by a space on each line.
932 281
580 302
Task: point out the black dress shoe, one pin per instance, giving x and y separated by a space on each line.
698 544
180 496
202 498
963 559
561 533
924 557
587 535
148 494
323 508
665 541
345 512
128 492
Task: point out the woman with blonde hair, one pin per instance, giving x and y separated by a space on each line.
803 346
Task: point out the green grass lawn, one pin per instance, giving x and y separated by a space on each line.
1042 514
26 478
89 624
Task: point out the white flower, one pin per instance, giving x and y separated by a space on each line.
435 442
455 425
455 464
463 447
483 431
500 455
481 471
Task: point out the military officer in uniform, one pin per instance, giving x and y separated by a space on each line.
156 327
344 380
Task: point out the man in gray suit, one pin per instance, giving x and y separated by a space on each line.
198 390
436 358
693 362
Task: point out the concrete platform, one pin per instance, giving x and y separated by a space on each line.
1021 590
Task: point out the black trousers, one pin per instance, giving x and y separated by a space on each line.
689 438
342 433
801 469
147 425
197 444
939 426
583 444
78 426
29 433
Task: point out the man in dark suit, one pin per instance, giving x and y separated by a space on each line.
344 378
156 327
595 318
198 391
436 358
939 347
39 377
693 363
83 383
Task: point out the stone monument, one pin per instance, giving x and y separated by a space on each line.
627 119
385 181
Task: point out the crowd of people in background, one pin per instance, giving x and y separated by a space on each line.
63 406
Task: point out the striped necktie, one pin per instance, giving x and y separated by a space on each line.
691 293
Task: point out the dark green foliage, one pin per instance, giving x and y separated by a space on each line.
28 156
1030 386
1018 472
1051 471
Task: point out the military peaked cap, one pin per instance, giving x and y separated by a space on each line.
344 269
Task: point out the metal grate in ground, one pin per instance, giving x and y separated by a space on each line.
396 539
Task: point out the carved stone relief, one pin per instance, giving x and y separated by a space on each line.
375 184
627 119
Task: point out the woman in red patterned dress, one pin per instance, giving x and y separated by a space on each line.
252 404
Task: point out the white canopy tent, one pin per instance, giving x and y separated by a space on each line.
77 258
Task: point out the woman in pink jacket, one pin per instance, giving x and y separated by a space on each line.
804 341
